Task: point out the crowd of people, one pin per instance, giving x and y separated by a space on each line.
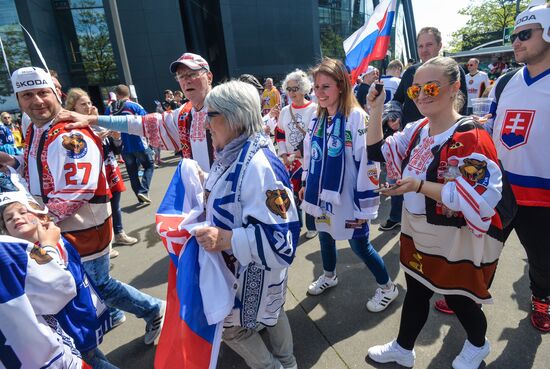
459 185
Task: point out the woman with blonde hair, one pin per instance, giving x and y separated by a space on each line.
447 168
340 181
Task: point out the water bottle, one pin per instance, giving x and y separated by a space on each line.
450 175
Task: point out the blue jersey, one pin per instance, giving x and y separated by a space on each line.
34 285
86 317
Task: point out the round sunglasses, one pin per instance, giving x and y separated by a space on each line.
431 89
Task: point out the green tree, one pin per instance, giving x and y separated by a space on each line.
332 44
95 45
487 21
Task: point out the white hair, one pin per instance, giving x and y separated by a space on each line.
239 103
301 78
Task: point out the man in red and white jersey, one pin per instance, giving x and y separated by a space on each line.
476 82
64 168
521 133
182 129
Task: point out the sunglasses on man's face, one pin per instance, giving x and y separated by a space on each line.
523 35
431 89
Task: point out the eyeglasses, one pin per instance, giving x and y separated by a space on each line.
431 89
189 76
523 35
211 114
471 65
292 89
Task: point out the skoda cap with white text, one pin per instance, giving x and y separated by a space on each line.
539 14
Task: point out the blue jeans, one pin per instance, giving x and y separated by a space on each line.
133 160
116 212
396 203
362 248
97 360
120 295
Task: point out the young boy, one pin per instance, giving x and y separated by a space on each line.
85 318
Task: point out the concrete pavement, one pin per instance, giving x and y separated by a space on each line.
334 330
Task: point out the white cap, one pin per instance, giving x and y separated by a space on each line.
193 61
538 14
370 69
28 78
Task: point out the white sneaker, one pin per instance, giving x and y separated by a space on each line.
471 356
382 298
392 352
154 327
321 284
311 234
124 239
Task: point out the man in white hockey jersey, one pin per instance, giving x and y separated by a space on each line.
521 133
476 82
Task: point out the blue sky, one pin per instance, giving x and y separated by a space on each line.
442 14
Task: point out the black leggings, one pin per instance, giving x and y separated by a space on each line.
416 308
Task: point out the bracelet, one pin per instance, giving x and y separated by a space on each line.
420 186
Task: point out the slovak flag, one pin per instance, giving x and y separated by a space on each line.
187 339
371 41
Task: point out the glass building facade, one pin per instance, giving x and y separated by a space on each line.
16 51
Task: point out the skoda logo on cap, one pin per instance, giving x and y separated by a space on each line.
526 18
31 82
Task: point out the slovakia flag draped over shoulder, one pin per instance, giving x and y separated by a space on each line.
200 287
371 41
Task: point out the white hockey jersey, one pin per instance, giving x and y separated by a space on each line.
521 134
34 285
295 128
475 85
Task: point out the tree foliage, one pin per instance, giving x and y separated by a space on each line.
487 21
95 45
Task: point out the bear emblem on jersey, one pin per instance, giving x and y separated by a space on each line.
40 255
75 145
277 202
475 171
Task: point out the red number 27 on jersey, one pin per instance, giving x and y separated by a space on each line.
73 170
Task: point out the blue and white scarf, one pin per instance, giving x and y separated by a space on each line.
325 177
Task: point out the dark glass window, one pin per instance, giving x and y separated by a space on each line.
16 51
86 35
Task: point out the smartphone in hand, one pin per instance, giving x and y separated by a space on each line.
386 187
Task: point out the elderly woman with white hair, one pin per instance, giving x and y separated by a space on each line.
293 121
254 223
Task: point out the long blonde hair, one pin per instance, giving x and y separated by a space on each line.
73 96
336 70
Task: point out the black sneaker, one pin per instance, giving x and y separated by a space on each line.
389 225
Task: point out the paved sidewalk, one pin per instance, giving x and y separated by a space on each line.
334 330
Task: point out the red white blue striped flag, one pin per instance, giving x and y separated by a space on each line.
371 41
